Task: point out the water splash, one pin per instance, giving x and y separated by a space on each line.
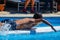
5 28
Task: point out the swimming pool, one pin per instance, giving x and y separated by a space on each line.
39 36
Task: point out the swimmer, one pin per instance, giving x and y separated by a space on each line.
27 23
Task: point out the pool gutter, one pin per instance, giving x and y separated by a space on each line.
28 15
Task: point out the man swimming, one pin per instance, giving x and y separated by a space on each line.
27 23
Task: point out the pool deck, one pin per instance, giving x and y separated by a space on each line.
7 14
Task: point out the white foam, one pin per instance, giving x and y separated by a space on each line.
38 30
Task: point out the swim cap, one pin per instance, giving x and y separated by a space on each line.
37 15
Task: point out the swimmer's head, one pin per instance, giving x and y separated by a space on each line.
37 15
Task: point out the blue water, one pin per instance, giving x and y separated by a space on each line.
41 36
55 21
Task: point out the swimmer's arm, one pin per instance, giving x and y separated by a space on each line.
45 21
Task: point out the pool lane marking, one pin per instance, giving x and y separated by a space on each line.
28 15
38 30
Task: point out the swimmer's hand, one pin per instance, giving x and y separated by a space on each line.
46 22
54 30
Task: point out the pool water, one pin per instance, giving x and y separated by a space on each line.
55 21
41 36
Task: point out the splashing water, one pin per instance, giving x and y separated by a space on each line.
5 28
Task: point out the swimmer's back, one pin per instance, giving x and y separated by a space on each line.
27 26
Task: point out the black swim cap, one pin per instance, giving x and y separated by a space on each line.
37 15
